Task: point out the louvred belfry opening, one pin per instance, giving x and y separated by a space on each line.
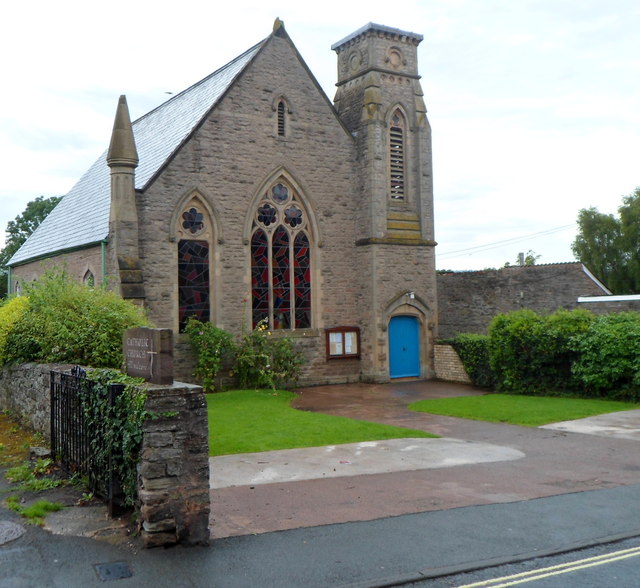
396 148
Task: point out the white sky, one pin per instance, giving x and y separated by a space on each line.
534 104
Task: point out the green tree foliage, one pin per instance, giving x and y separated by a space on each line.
609 246
20 228
68 322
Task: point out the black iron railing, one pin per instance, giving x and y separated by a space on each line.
73 445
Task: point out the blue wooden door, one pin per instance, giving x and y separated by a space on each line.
404 347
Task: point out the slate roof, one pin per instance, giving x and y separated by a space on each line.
82 216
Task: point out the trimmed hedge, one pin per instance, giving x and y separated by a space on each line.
473 350
608 357
532 353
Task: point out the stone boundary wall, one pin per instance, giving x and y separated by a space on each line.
174 467
173 470
467 301
448 365
25 393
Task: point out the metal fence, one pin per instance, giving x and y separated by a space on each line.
72 443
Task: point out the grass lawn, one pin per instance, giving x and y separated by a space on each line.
528 411
247 421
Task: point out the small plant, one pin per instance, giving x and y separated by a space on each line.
265 360
35 513
210 344
34 477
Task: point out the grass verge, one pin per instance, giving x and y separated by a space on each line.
248 421
528 411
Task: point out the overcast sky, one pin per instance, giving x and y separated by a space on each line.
534 104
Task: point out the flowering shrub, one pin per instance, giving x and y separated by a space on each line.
210 345
265 360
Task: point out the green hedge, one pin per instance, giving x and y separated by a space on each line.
474 353
608 357
532 353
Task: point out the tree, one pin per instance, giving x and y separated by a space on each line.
610 246
19 229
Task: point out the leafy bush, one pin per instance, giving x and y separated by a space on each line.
10 313
266 360
210 345
608 357
68 322
532 354
473 350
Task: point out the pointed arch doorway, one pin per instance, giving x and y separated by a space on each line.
404 347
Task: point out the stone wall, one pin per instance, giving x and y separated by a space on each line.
174 464
174 467
229 171
448 365
25 393
75 263
467 301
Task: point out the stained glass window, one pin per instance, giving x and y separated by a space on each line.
281 261
281 279
193 281
259 276
293 216
267 215
193 221
280 193
302 280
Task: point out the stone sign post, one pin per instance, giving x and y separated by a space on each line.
148 354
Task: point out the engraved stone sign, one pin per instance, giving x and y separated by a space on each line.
148 354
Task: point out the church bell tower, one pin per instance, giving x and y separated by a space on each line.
380 100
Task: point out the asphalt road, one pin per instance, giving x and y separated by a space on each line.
610 565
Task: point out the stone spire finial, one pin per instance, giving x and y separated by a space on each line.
122 149
277 24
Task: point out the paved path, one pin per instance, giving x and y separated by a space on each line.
551 462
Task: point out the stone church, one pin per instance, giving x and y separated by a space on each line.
251 197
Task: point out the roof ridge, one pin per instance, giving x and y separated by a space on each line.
201 81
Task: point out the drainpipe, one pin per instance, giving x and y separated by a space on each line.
9 281
103 251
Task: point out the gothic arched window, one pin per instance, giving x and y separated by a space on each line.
280 261
397 137
193 228
89 279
